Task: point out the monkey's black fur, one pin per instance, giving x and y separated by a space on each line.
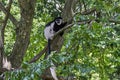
53 27
56 26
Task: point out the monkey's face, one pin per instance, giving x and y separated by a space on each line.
58 21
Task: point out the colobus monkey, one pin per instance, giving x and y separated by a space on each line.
50 29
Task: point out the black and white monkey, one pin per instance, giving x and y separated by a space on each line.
50 29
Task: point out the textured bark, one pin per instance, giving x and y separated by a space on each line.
11 17
69 8
23 30
2 29
1 50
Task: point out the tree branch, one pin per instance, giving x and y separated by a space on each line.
84 5
86 12
34 59
11 17
1 50
114 21
83 22
2 29
63 29
6 19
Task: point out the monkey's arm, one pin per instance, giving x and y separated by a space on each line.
63 25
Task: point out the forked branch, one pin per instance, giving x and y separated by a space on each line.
11 17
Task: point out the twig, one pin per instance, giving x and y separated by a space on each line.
86 12
7 13
89 11
84 5
59 8
11 17
6 18
83 22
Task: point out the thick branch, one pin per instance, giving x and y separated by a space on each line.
6 19
49 77
23 30
7 13
1 50
114 21
11 17
69 9
63 29
38 55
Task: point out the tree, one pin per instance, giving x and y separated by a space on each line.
91 42
23 29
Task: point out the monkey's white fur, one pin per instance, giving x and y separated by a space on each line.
53 73
48 32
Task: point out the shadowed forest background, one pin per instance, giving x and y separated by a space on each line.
90 49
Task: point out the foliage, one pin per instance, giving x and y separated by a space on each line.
29 71
90 51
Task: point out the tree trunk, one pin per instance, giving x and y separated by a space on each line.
69 8
23 30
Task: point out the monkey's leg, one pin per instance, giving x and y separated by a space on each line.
49 49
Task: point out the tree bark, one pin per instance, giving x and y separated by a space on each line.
69 8
2 29
11 17
1 50
23 30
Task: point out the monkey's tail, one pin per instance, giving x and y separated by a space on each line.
52 68
49 49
